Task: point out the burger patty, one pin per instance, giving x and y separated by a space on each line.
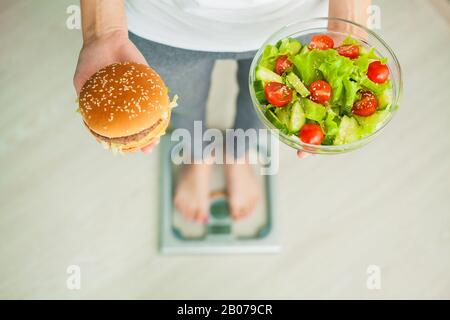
124 140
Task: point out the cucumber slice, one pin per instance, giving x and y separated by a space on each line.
384 99
283 115
296 118
370 124
258 86
267 75
314 111
297 84
274 119
349 131
261 97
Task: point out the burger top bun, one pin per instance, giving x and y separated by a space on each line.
123 99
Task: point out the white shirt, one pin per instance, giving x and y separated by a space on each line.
217 25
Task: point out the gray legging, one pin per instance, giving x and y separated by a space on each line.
188 74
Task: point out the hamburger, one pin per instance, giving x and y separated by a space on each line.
125 106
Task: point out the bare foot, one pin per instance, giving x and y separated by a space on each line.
192 192
244 190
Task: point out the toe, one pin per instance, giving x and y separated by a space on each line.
185 210
234 210
191 213
250 207
246 211
201 215
241 212
253 204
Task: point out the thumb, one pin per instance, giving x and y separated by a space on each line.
78 83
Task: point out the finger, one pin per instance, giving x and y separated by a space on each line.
141 58
303 154
148 148
132 53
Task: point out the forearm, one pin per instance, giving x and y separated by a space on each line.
353 10
101 17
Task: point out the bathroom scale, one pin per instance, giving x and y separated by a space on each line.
221 234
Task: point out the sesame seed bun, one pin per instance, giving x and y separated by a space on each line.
125 106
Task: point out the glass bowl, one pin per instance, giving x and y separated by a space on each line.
337 29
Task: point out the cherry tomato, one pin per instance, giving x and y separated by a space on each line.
350 51
278 94
378 72
320 91
282 64
312 133
366 106
321 42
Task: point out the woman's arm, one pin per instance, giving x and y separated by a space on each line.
105 38
353 10
101 18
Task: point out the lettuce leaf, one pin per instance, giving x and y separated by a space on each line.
313 111
331 127
307 64
174 102
351 94
337 70
376 88
289 46
330 124
268 57
350 40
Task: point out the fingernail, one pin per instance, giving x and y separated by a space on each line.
303 155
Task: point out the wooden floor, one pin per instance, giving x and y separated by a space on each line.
65 201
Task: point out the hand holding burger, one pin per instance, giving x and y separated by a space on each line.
102 50
125 106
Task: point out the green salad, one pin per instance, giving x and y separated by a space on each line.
322 94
